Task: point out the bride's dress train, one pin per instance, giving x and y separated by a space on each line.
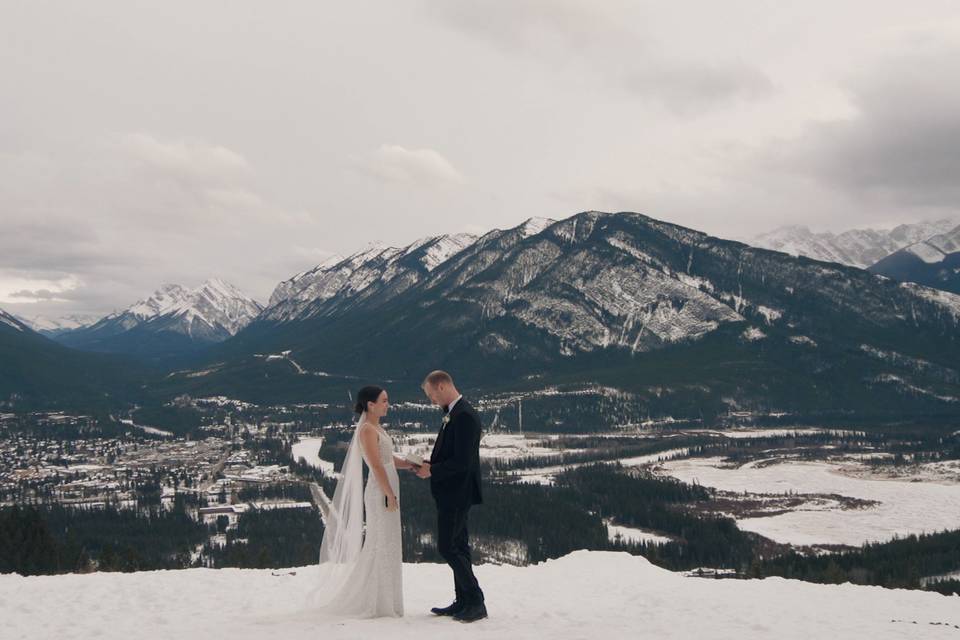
374 585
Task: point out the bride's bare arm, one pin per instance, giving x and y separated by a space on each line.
368 440
400 463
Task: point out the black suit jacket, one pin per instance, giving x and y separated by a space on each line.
455 461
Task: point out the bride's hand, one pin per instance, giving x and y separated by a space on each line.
392 504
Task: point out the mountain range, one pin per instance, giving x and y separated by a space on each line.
52 327
673 319
172 321
856 247
663 318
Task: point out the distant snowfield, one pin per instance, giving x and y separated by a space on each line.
906 507
583 595
632 534
545 475
309 450
493 446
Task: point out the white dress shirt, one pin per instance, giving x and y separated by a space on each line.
450 408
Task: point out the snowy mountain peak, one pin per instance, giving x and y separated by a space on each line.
855 247
437 250
376 266
946 243
210 312
162 300
11 320
535 225
48 325
373 250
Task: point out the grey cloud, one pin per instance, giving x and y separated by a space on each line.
692 89
613 48
39 294
903 144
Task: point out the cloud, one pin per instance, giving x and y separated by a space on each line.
185 159
689 89
611 46
902 144
121 213
39 294
416 167
16 289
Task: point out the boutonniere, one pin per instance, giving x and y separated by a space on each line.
446 418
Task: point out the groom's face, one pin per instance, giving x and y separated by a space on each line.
432 392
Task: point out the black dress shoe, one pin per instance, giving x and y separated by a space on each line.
472 613
453 609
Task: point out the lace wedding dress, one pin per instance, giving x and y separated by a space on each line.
372 584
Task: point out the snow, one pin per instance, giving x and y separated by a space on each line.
8 319
535 225
804 340
753 333
857 247
545 475
953 575
585 594
70 321
375 266
936 248
309 450
949 301
444 247
905 507
775 433
631 534
153 430
769 313
510 446
926 252
215 303
894 379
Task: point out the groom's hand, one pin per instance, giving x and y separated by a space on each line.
423 471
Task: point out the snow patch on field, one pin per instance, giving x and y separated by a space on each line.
905 507
309 450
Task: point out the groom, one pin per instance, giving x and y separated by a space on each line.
454 472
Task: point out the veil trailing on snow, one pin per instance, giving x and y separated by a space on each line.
343 525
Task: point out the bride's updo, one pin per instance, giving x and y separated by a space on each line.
369 393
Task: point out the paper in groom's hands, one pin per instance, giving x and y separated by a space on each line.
413 459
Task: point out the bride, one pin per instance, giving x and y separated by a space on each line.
360 563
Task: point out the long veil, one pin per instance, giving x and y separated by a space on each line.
343 525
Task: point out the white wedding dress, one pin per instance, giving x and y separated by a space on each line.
373 583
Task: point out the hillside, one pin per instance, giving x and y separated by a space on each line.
582 595
35 370
934 262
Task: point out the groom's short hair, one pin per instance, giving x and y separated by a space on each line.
436 377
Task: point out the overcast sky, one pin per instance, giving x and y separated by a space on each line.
145 142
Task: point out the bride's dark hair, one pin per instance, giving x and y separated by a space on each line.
369 393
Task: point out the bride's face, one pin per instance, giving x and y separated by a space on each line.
379 408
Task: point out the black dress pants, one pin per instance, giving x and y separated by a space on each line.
453 543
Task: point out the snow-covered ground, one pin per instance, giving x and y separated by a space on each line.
153 430
309 450
905 507
632 534
583 595
545 475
